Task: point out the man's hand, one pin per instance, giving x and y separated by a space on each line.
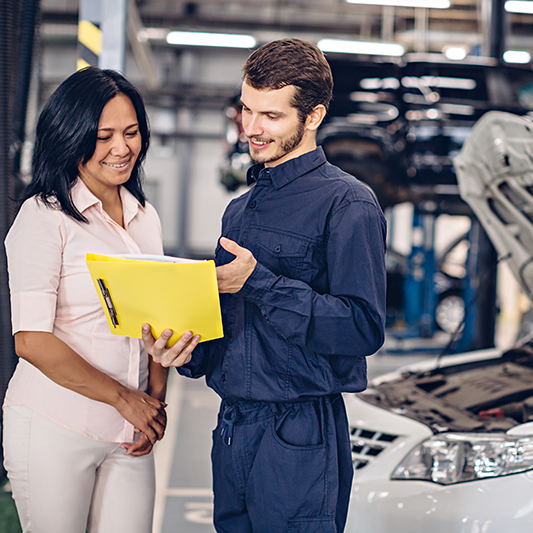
232 277
177 355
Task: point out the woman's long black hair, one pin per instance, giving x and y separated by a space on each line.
67 131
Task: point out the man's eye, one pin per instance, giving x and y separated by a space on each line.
273 117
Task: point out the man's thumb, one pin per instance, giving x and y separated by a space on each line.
231 246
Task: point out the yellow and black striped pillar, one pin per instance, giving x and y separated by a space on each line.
89 44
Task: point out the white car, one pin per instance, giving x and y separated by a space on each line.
446 446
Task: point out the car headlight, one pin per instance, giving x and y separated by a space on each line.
453 458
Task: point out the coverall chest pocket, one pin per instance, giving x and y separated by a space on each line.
283 254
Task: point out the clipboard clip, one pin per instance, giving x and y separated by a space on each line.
108 302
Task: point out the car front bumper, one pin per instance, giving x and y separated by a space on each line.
382 505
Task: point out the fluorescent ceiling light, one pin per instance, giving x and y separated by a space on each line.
457 109
517 56
224 40
152 33
361 47
445 82
515 6
438 4
456 53
373 84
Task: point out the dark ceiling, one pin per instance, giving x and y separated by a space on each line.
466 22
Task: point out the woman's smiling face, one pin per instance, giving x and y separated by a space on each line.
117 147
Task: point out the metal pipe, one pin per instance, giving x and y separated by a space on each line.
28 28
387 24
10 13
497 30
421 29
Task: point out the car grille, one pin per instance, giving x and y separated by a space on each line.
367 445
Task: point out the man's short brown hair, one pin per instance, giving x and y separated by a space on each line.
292 62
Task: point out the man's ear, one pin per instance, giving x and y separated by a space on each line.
315 118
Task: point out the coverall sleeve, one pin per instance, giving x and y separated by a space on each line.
197 366
349 319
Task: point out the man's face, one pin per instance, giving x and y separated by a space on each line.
274 130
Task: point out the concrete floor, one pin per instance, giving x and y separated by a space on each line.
183 466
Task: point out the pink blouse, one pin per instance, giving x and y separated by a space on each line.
52 291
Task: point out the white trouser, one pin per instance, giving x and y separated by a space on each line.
64 482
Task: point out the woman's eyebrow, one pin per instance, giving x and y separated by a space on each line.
127 127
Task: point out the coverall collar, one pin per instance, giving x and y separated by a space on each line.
292 169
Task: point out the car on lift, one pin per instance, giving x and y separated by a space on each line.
398 126
446 445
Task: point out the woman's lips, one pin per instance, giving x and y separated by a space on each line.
117 166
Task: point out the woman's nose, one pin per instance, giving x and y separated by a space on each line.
120 146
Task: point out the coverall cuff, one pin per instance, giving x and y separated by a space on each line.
259 282
183 371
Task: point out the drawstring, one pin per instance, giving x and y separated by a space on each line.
228 419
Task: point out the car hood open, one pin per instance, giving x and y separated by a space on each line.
495 175
493 394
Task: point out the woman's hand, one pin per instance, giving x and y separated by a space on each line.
59 362
157 386
142 446
177 355
145 413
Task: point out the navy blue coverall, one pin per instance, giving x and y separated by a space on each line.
296 336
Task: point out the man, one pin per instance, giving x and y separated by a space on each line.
301 273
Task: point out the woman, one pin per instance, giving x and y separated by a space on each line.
84 407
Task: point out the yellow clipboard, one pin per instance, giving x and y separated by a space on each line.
166 292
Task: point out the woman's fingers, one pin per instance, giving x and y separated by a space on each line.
141 446
144 412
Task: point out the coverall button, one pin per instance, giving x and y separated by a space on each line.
277 249
252 205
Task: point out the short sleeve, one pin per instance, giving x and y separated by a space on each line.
34 252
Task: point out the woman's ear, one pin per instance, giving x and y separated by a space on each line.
315 118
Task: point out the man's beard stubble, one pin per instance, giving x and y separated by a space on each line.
286 146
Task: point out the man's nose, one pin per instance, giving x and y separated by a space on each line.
252 126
